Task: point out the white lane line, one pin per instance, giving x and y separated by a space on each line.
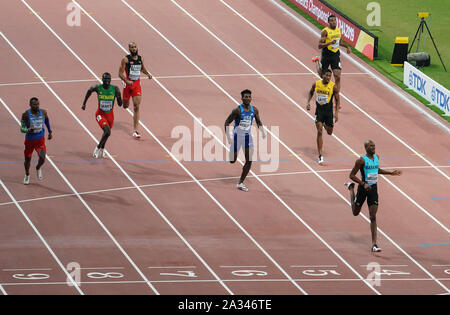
193 76
28 269
310 266
100 268
52 253
200 180
385 265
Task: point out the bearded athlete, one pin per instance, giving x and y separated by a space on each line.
130 70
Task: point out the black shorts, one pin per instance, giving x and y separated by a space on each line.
371 195
325 116
330 59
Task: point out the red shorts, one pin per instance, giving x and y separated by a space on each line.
132 90
104 119
32 145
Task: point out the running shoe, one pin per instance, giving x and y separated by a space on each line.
315 59
375 249
26 180
320 160
39 174
136 135
102 153
242 187
349 185
96 153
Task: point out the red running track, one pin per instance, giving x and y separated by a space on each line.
142 222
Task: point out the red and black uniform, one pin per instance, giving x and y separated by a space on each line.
133 71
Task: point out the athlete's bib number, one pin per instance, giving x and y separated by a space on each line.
372 178
245 123
36 125
135 72
336 45
322 99
106 105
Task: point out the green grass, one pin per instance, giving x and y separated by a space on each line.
399 18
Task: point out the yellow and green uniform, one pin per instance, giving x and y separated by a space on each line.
106 97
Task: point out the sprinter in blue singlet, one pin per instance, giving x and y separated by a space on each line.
369 167
32 125
243 116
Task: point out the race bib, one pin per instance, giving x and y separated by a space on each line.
322 99
106 105
245 124
36 125
372 178
135 72
336 45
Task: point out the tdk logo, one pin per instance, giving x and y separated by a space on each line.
418 83
442 99
433 94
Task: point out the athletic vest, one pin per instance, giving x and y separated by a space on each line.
369 172
243 123
37 124
106 97
333 34
134 68
324 93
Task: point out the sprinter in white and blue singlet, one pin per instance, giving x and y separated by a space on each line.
243 116
369 166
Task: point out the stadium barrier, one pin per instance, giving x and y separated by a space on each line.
426 87
352 33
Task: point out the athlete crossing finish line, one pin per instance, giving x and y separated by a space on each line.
106 95
132 65
32 125
369 166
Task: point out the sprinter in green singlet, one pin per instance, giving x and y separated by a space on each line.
106 95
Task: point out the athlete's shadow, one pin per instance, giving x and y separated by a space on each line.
109 199
122 126
151 168
50 188
306 153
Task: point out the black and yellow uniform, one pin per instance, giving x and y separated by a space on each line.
324 102
331 53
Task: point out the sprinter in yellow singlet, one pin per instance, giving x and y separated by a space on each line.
325 90
330 40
